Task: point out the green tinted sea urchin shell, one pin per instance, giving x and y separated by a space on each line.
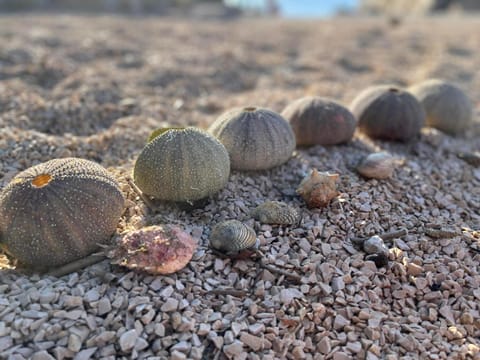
255 138
182 164
389 113
58 211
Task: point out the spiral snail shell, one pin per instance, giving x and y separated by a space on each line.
232 237
276 212
318 188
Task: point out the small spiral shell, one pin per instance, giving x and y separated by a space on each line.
276 212
232 237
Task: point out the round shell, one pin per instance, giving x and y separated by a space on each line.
232 237
319 121
389 113
256 138
156 249
377 166
183 164
447 107
318 188
58 211
276 212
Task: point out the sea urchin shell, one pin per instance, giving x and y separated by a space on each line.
155 249
58 211
318 188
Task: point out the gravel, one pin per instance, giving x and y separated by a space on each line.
96 87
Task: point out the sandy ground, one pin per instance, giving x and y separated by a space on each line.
95 88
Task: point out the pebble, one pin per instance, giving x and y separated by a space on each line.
42 355
170 305
324 345
254 342
127 340
234 349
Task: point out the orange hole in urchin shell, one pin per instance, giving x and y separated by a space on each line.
41 180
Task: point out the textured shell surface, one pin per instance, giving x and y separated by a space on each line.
320 121
59 211
276 212
158 249
378 165
182 165
388 112
232 237
318 188
447 107
256 138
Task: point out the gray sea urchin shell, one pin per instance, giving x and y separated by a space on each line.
255 138
447 107
388 113
319 121
58 211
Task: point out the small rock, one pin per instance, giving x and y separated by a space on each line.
182 346
414 269
92 295
287 295
298 353
128 339
104 306
42 355
203 329
46 297
374 245
74 343
324 345
85 354
170 304
254 342
340 355
234 349
340 322
256 328
177 355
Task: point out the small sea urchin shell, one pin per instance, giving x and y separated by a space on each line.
318 188
319 121
447 107
389 113
182 165
377 166
232 237
276 212
255 138
155 249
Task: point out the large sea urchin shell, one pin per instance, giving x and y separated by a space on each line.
58 212
389 113
318 188
319 121
232 237
155 249
255 138
276 212
182 164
